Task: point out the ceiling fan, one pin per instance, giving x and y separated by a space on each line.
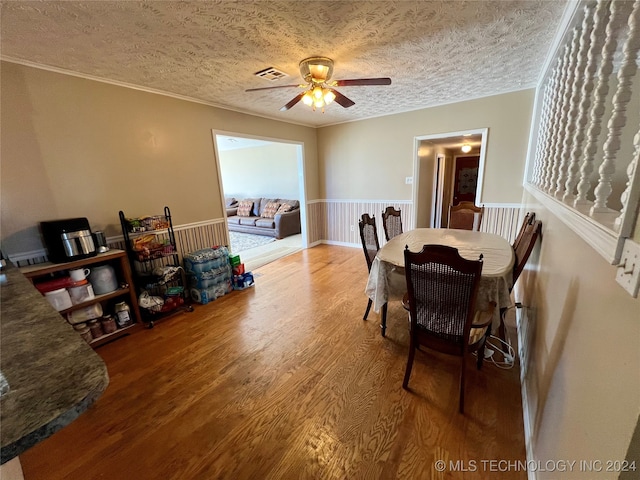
319 91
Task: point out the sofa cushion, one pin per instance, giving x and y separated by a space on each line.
245 207
263 203
248 220
294 203
270 210
230 202
233 220
284 208
265 223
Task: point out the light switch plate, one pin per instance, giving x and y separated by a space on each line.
408 180
628 273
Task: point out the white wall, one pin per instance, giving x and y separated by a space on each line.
583 370
265 171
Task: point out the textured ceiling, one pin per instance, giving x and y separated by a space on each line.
435 52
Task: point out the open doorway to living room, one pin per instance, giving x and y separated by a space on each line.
262 183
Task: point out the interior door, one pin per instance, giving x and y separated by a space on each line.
466 179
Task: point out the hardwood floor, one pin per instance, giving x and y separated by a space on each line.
286 381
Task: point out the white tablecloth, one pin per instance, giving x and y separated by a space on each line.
387 279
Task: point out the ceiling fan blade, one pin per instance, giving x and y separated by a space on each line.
271 88
293 101
363 81
342 100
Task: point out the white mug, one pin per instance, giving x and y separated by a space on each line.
79 274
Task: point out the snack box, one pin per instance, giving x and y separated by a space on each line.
240 282
238 269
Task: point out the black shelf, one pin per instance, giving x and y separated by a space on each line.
161 257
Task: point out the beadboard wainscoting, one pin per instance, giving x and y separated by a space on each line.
502 219
190 237
316 220
330 221
336 221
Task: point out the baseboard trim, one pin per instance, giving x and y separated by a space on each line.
341 244
526 409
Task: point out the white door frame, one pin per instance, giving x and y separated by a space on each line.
416 165
438 188
301 174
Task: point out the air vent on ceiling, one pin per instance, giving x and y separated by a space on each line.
271 74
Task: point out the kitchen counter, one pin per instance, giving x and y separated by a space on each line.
52 374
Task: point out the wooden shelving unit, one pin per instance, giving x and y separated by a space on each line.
119 261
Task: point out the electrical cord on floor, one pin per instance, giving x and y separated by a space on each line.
508 354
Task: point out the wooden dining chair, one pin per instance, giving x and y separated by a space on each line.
465 216
529 218
442 288
370 245
391 222
522 249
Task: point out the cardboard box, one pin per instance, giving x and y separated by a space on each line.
239 269
234 260
240 282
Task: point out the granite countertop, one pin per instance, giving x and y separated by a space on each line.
53 375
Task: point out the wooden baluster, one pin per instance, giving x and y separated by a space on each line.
546 140
555 123
602 89
631 194
569 113
584 77
543 134
618 117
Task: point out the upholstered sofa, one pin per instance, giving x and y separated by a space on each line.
274 217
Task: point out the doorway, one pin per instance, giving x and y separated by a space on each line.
262 167
442 175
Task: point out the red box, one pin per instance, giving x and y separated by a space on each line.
238 269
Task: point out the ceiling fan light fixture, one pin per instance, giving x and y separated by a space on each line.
318 90
466 148
307 98
329 96
316 69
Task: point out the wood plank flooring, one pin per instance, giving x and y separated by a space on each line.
286 381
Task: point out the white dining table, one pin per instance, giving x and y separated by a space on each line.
387 280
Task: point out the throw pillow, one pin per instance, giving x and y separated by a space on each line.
244 208
284 208
270 210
